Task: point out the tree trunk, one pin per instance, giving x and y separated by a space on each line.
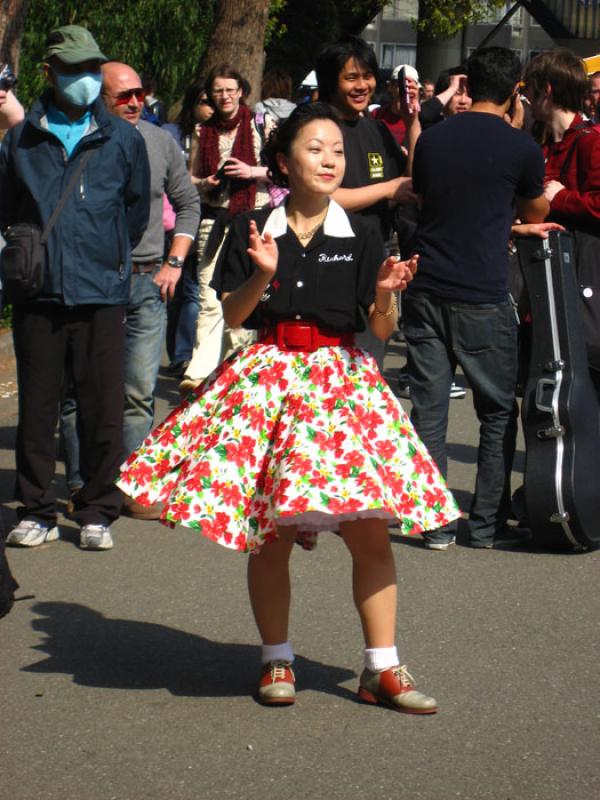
12 22
238 39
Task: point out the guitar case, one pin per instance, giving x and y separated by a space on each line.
560 412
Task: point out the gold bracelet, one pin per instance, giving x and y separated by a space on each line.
393 307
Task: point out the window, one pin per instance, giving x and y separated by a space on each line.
394 54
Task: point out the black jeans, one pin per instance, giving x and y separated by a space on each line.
92 340
482 338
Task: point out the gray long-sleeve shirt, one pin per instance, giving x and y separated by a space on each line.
169 176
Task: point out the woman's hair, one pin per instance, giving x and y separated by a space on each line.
283 136
226 71
565 73
186 119
276 83
332 59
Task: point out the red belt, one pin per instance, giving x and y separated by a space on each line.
303 336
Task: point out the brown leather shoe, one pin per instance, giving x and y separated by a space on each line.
276 687
136 510
395 688
70 509
187 386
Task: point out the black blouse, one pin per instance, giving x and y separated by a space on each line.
330 282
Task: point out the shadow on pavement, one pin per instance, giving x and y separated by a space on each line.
126 654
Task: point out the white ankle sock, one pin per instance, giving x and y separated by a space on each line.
277 652
378 659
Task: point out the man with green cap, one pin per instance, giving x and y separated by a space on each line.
78 317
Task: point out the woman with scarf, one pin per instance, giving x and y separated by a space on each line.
231 180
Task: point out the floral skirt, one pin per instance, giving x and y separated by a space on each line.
277 438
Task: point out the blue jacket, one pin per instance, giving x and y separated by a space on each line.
89 249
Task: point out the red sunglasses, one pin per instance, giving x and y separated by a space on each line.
122 98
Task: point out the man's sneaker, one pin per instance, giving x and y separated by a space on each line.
95 537
438 544
395 688
509 537
31 533
457 392
276 687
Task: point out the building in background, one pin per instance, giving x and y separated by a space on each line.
394 38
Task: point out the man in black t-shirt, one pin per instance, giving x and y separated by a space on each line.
468 172
376 176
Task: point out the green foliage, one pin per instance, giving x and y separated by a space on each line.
275 28
163 38
6 317
302 28
442 18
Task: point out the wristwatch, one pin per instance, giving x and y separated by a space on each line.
175 261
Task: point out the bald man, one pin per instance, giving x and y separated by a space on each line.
155 274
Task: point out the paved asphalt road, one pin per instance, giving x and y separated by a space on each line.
128 675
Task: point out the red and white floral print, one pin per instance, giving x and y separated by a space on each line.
282 438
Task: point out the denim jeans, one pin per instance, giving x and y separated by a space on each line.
144 337
482 338
185 333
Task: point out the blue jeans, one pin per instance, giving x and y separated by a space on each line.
482 338
144 337
185 334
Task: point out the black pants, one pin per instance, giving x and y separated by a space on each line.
91 339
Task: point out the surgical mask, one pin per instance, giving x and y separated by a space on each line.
81 89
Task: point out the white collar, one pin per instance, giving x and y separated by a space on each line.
336 222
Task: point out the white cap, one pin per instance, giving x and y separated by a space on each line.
311 80
409 72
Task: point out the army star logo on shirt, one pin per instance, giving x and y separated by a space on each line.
375 165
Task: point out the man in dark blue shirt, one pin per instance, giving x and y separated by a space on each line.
469 173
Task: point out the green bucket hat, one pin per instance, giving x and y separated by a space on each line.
73 44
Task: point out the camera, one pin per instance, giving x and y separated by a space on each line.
7 78
220 174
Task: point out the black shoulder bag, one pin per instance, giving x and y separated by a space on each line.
586 250
23 260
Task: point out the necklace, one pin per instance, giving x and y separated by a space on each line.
303 237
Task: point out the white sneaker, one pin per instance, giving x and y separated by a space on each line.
95 537
31 533
433 545
457 392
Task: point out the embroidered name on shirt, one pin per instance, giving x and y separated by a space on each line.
336 257
266 295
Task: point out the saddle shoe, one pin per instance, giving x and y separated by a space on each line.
395 688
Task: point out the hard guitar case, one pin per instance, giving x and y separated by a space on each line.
560 411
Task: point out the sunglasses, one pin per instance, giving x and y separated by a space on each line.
122 98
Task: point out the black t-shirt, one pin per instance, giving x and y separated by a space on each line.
329 282
372 156
468 170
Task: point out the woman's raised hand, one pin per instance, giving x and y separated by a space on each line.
263 250
395 275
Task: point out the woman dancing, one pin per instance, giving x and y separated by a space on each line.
299 433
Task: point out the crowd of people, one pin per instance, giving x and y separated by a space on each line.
269 248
